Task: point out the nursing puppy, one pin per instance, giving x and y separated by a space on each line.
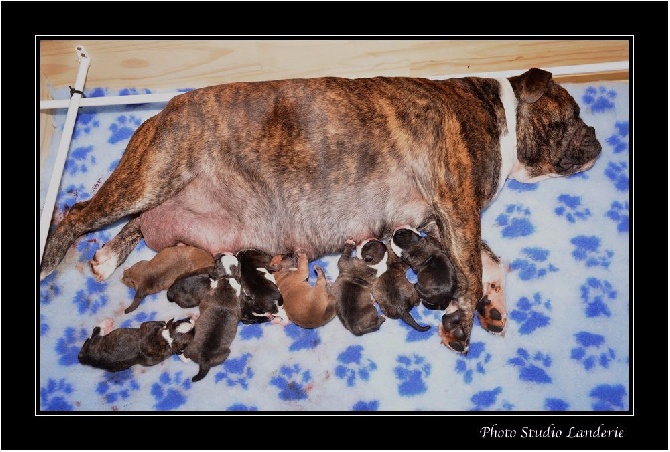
220 313
351 293
394 293
119 349
306 306
261 296
274 165
436 275
159 273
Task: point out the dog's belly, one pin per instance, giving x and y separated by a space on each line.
230 217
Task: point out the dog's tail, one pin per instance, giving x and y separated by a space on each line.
408 319
204 370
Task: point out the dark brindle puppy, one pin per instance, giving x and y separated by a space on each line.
394 293
275 165
436 275
351 292
220 314
151 343
261 296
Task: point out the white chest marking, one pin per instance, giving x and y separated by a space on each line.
507 141
267 275
235 285
381 267
396 249
166 336
184 327
213 283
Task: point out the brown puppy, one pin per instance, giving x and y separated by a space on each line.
276 164
159 273
306 306
119 349
351 293
220 313
394 293
261 296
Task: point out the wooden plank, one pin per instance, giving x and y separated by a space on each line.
171 64
46 125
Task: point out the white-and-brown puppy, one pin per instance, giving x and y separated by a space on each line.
351 293
151 343
220 314
394 293
159 273
275 165
305 305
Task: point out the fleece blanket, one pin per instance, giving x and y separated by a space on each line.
566 347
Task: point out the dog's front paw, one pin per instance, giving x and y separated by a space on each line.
104 263
453 331
491 309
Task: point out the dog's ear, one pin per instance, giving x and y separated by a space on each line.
531 85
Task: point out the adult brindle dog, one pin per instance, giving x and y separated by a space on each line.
308 163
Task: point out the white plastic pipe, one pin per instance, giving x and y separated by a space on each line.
164 97
63 146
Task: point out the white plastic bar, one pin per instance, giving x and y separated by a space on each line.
164 97
63 147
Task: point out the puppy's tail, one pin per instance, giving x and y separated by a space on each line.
204 370
408 319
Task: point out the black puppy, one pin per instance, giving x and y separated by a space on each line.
394 293
118 349
351 291
220 313
261 296
436 275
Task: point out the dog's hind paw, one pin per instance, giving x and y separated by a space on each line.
103 264
491 309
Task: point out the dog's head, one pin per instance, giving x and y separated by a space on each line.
372 251
182 332
226 265
404 239
284 262
552 139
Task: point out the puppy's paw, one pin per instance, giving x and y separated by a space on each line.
106 326
453 331
349 242
491 309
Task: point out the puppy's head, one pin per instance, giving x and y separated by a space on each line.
372 251
132 276
226 265
284 262
182 333
552 139
404 239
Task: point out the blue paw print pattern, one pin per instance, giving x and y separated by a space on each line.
293 382
54 396
86 121
553 404
599 99
70 195
79 160
361 405
117 386
617 172
587 250
92 298
123 128
236 372
531 314
303 338
69 345
353 365
570 207
474 361
591 350
241 407
44 327
92 243
169 391
137 319
49 289
515 221
488 400
520 186
619 214
251 331
411 371
595 293
619 141
532 368
608 397
534 266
